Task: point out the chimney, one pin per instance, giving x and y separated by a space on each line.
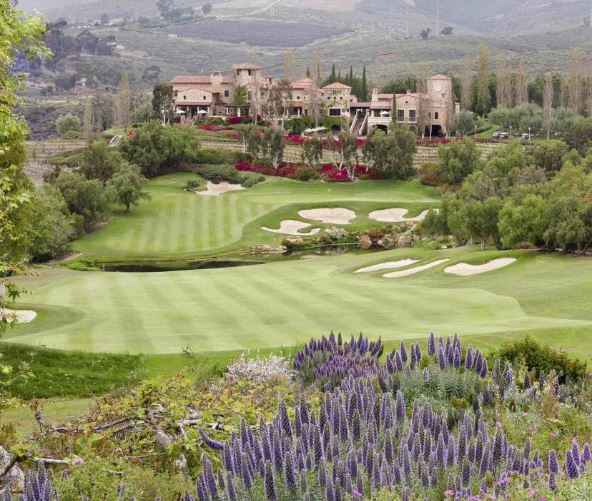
374 94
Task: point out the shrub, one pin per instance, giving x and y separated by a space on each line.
259 370
304 173
214 157
157 149
543 359
250 180
226 172
218 173
68 123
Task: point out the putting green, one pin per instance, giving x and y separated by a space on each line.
176 223
284 303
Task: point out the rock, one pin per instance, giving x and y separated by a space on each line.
365 242
269 249
404 241
14 480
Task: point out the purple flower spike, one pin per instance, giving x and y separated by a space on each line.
270 492
210 442
553 463
586 454
403 352
431 345
441 358
570 466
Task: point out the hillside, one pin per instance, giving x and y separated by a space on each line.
495 18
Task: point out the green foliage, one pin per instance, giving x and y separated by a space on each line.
457 160
157 149
95 480
312 151
71 374
214 157
298 125
99 161
524 222
52 226
542 359
577 134
305 173
226 172
163 99
519 119
273 146
391 155
68 123
85 197
126 185
465 122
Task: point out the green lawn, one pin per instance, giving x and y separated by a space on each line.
175 223
285 303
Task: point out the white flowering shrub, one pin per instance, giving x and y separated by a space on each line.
260 369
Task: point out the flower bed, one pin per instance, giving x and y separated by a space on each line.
290 170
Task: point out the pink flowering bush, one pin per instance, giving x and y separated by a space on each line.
329 172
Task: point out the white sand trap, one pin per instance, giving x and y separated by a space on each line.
396 216
215 190
465 270
392 265
417 269
291 227
22 316
329 216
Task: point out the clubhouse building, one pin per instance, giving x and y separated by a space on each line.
244 90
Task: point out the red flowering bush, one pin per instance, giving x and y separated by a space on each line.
290 170
214 128
294 139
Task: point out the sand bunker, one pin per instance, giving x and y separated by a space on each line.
465 270
329 216
215 190
392 265
291 227
21 316
417 269
396 216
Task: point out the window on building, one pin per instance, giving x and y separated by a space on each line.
226 93
298 97
184 97
401 115
335 112
430 115
436 115
412 115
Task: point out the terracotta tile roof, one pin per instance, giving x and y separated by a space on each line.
336 85
191 80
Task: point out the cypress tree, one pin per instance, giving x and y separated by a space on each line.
364 86
333 76
351 76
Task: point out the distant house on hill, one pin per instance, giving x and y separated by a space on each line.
244 89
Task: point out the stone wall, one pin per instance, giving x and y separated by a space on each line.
293 152
38 153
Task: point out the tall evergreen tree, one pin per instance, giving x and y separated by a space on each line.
364 92
333 76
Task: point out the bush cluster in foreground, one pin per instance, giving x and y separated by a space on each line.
353 421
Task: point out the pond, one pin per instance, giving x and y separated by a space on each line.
165 266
